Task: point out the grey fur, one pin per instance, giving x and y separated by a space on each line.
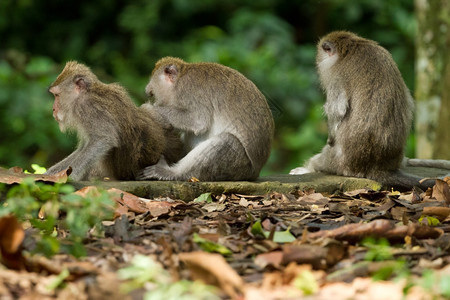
369 110
225 119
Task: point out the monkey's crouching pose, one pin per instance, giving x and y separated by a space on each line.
369 111
226 121
116 138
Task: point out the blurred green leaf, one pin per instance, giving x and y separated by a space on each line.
205 197
210 246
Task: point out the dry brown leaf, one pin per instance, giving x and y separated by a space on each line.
447 179
398 233
273 258
373 195
140 205
361 288
378 228
281 284
159 208
318 256
315 198
355 232
441 191
87 189
213 269
439 212
38 263
305 254
16 175
11 234
132 202
11 238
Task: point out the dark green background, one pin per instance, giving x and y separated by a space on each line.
271 42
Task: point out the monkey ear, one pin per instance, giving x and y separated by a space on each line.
81 84
171 73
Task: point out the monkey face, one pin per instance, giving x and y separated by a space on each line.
328 48
326 55
160 90
56 90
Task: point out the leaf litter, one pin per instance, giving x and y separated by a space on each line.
273 246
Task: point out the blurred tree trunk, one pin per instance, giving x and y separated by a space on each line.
433 79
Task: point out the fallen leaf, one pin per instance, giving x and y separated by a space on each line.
273 258
210 246
213 269
315 198
244 202
38 263
376 195
11 234
210 207
159 208
140 205
378 228
11 238
132 202
205 197
441 191
439 212
16 175
83 192
319 256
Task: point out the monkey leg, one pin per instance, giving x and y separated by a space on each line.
221 157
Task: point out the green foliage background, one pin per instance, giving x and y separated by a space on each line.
271 42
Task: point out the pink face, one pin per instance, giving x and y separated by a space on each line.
326 56
328 48
55 91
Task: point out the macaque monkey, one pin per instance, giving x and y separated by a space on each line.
116 138
226 121
369 110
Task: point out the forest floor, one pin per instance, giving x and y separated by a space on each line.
359 244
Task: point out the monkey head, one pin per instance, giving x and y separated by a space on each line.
161 87
335 46
74 81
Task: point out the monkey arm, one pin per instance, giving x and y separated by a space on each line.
84 159
156 116
197 121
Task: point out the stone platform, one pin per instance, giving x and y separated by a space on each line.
282 183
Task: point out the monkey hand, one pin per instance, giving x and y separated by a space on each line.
156 116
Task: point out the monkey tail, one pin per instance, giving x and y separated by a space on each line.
429 163
403 181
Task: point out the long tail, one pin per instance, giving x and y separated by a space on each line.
403 181
430 163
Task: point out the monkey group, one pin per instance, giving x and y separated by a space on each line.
209 121
206 121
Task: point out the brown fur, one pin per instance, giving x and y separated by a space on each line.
116 138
